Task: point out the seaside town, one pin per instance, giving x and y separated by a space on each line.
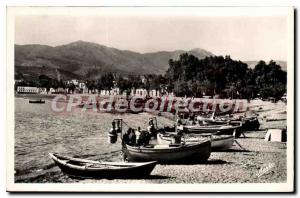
88 113
75 86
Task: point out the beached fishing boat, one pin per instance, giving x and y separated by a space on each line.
233 122
93 169
219 120
247 123
169 153
218 142
40 101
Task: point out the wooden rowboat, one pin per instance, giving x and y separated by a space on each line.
199 151
218 142
93 169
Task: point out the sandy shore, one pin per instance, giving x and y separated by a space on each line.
39 131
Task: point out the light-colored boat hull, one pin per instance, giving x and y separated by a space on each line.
198 151
222 142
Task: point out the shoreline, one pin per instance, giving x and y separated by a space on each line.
85 135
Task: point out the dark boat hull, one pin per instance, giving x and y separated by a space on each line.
138 171
37 101
197 152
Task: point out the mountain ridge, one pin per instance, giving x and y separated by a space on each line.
89 60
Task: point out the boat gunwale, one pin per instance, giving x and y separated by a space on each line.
184 147
168 138
210 127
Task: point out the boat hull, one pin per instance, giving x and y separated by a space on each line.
37 102
127 170
190 152
222 143
223 130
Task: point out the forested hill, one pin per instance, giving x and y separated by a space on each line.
229 78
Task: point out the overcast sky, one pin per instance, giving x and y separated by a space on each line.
244 38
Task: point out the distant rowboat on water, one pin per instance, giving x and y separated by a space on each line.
40 101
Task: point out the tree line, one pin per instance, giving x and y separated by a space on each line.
228 78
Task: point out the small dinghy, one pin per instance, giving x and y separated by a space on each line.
40 101
199 151
93 169
218 142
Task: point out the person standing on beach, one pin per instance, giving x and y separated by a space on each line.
125 137
138 133
151 128
132 137
144 138
178 136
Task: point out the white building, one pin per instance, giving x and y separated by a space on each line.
154 93
114 91
138 92
52 90
58 91
42 90
104 92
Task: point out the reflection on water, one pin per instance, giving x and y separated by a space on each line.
39 130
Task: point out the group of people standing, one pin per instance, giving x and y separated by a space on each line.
138 137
